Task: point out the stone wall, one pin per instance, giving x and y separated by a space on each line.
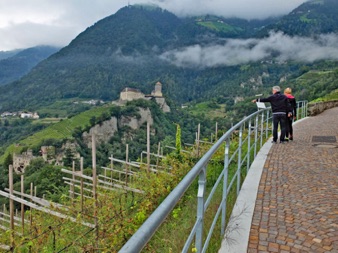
129 94
21 161
319 107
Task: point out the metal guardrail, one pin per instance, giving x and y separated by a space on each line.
302 109
251 132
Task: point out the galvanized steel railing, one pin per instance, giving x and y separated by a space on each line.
302 109
250 132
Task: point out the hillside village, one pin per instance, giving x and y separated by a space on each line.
22 115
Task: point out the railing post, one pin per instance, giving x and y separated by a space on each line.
302 107
267 124
239 162
200 210
306 108
225 185
249 147
256 135
262 131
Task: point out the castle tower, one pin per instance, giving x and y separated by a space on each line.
158 90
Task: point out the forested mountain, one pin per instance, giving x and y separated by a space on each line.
138 46
17 63
7 54
309 19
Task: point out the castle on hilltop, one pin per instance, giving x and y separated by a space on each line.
129 94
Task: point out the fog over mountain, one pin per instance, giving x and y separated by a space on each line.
240 51
247 9
26 24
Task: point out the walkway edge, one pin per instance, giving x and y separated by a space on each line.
236 236
238 229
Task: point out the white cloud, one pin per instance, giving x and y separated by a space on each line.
28 23
235 51
24 35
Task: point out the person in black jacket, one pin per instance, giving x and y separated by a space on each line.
289 120
280 110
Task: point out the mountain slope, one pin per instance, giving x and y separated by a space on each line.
116 52
7 54
233 27
111 33
19 64
126 49
309 19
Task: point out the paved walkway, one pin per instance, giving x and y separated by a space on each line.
296 205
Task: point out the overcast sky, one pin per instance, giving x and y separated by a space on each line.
28 23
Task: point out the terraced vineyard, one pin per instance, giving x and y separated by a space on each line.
60 130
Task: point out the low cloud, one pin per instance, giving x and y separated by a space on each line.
247 9
29 34
239 51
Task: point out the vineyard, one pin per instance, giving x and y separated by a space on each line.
60 130
101 211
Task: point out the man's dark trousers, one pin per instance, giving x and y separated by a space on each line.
279 118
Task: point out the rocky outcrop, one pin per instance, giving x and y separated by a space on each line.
106 130
162 104
317 108
136 122
103 132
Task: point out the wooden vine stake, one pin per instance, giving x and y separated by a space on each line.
126 165
95 185
148 146
112 167
81 183
11 205
22 205
198 139
216 132
158 154
72 187
30 208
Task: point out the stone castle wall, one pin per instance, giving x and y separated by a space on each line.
129 94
